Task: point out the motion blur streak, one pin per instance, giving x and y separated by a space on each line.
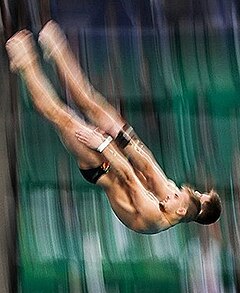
172 69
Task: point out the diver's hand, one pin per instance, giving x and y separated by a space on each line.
92 138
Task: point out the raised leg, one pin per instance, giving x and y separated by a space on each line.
88 99
23 58
91 102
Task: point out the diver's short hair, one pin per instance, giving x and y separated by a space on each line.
211 210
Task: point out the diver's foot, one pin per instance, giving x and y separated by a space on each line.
52 40
21 50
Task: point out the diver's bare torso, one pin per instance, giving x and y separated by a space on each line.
147 218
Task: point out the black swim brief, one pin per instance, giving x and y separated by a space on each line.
92 175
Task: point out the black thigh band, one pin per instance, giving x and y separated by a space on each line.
124 136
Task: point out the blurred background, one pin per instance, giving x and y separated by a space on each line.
172 69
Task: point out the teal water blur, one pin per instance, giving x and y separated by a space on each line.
69 235
178 85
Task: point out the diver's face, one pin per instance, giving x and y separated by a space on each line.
174 206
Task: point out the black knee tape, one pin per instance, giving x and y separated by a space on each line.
122 140
124 136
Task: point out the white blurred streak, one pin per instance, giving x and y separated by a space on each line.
201 267
73 275
93 263
121 239
235 204
212 268
165 246
44 224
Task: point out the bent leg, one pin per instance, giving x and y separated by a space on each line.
23 58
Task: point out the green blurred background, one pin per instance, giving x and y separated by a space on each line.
173 72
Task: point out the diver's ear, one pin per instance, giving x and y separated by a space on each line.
181 211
